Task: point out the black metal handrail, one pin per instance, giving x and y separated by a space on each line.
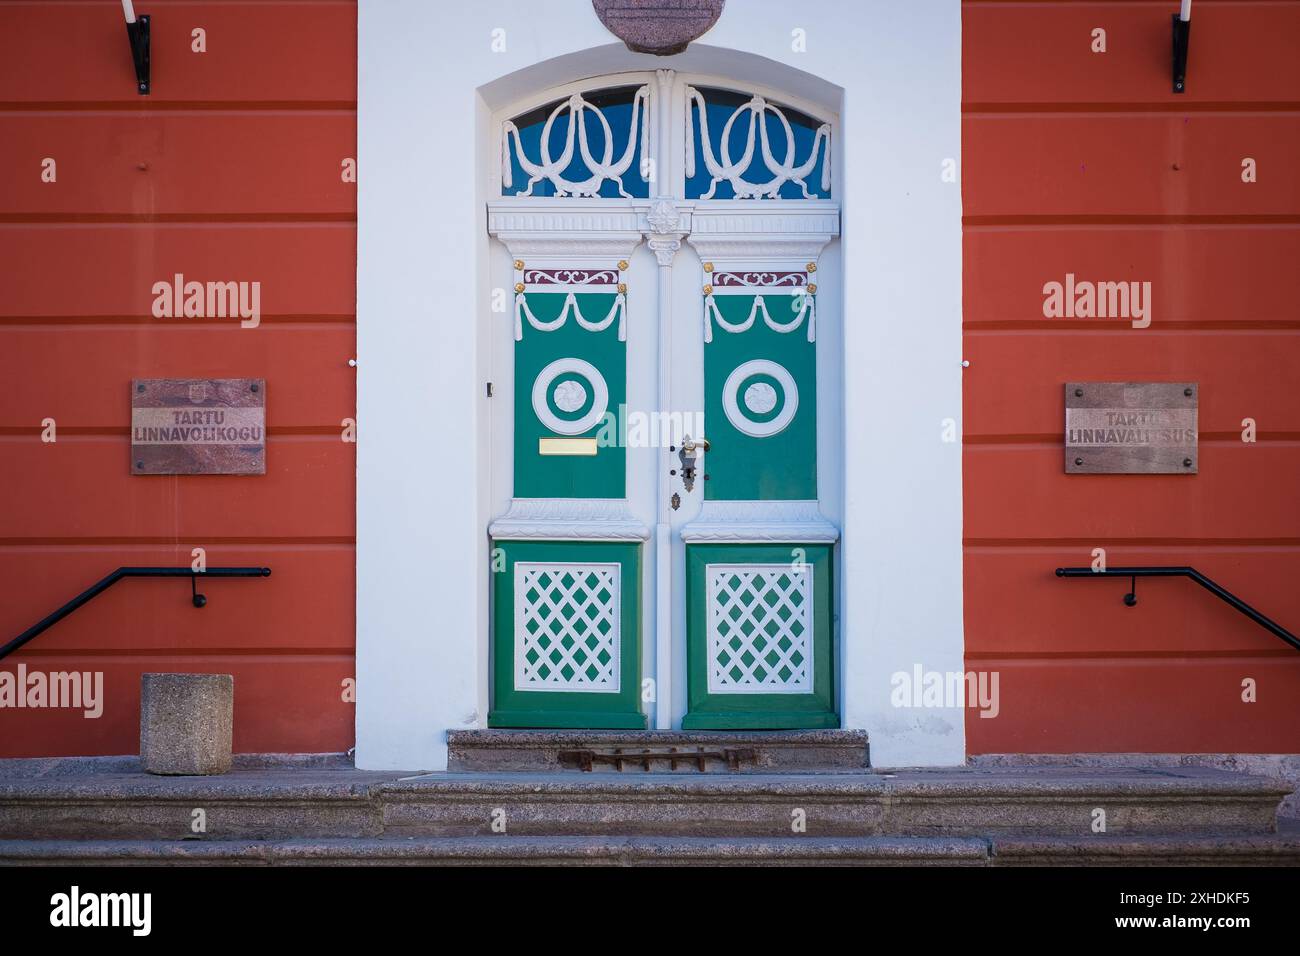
104 584
1222 593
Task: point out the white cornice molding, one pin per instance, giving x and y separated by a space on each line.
568 519
562 230
759 230
550 228
760 522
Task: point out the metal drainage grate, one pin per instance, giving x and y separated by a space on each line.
620 759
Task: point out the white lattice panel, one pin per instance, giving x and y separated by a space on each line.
760 638
567 626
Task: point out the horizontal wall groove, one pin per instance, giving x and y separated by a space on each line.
157 226
38 322
1156 4
1088 219
1129 657
1230 438
288 548
1044 109
1052 551
1101 540
1115 326
236 107
33 650
198 218
281 655
124 431
172 540
16 434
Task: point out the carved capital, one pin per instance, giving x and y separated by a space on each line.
664 249
665 223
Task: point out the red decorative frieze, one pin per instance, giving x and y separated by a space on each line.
571 277
760 279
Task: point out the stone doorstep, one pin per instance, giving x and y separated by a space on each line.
663 751
321 804
1274 850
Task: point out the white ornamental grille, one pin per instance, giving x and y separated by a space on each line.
567 626
760 628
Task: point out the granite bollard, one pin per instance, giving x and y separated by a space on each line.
185 723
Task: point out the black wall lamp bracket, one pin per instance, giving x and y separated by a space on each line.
137 31
1182 35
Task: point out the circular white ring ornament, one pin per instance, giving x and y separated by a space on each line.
542 386
738 419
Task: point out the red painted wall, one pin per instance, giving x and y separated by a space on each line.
1073 162
228 171
1086 162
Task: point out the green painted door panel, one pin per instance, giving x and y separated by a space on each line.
760 649
602 475
567 635
782 465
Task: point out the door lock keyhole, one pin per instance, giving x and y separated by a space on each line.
691 448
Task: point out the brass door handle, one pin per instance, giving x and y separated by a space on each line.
690 444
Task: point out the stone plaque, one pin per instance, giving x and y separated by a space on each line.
1130 428
198 426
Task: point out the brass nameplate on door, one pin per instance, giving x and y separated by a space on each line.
566 446
1131 428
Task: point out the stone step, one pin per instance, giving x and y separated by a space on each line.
917 803
306 804
658 751
1184 850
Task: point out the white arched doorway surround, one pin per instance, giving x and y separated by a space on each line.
427 158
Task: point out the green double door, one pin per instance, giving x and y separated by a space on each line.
703 599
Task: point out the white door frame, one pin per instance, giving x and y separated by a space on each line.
556 232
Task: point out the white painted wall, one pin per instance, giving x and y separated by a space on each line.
427 80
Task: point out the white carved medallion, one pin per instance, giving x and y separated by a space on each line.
762 394
566 396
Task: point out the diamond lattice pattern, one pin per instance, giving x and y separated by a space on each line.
760 628
567 627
